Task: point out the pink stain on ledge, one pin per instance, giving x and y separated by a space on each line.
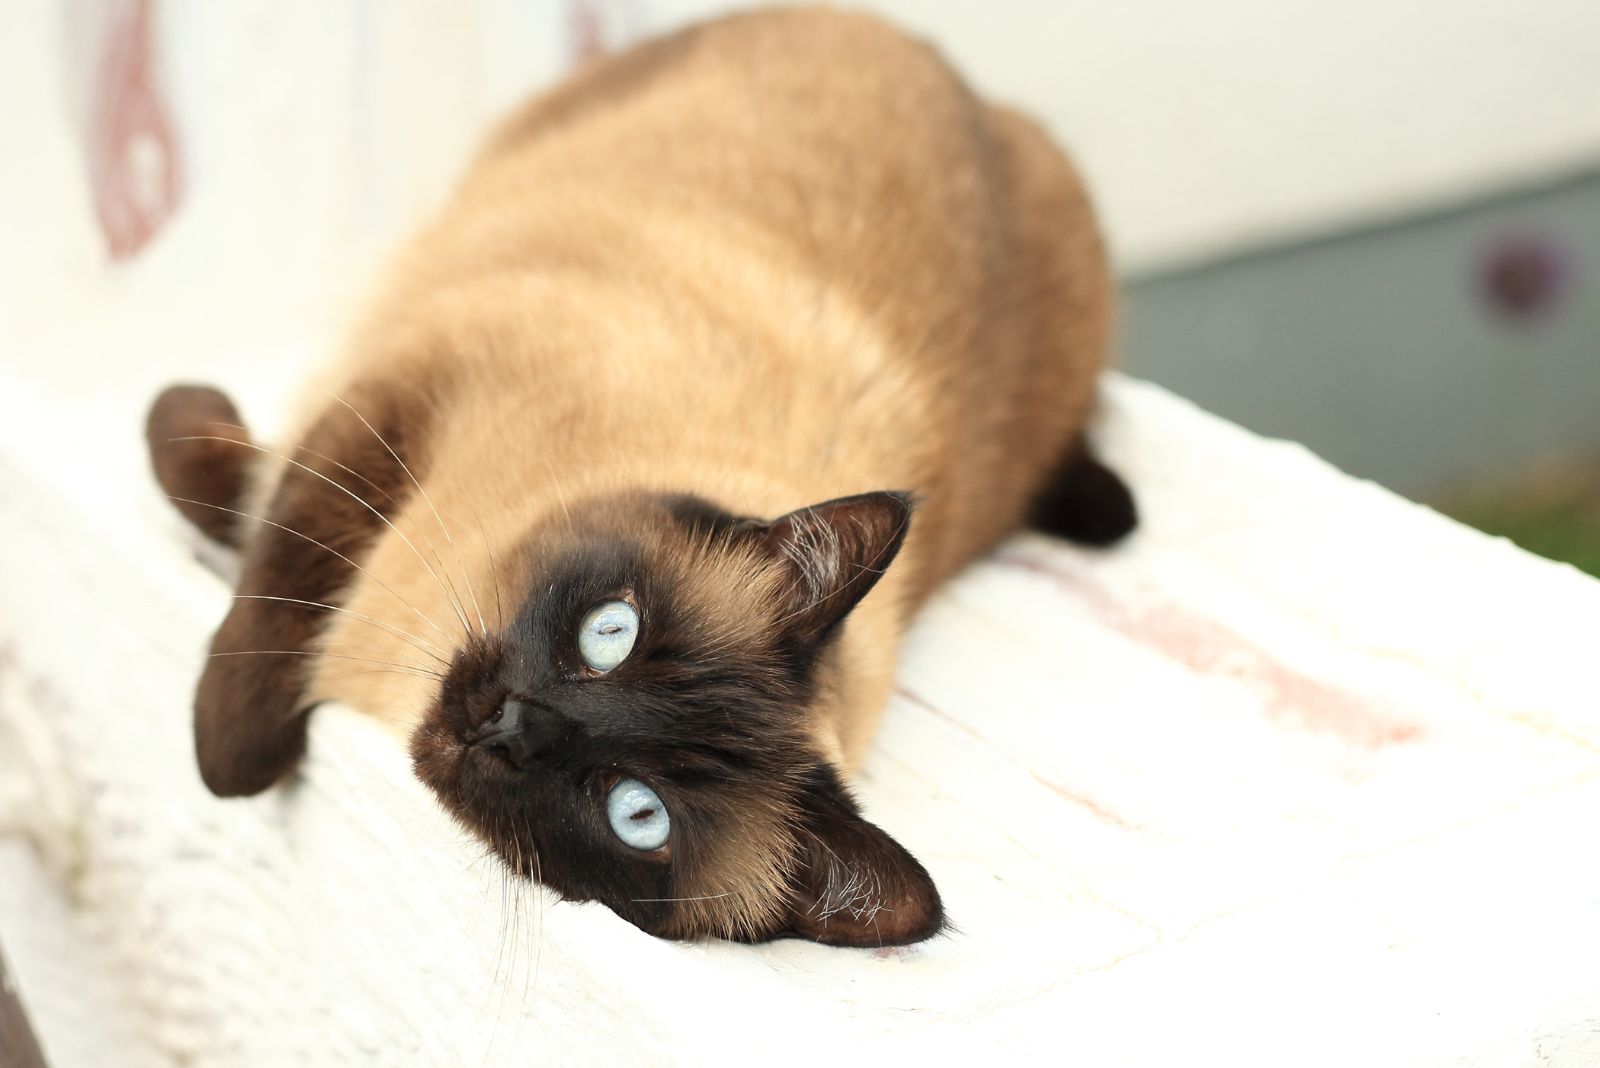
1207 647
1095 808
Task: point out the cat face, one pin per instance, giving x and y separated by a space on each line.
640 735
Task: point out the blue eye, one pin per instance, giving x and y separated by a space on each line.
637 815
607 634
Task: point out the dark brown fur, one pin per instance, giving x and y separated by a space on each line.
326 510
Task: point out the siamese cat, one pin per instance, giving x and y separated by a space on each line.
722 357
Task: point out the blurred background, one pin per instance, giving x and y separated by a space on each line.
1372 227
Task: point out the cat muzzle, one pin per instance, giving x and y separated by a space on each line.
519 731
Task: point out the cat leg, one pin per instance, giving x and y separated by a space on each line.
250 715
1085 501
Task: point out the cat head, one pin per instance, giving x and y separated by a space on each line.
641 733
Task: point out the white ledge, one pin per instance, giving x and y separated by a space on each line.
1303 774
1303 767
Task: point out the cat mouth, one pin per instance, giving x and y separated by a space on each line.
440 756
477 788
460 762
443 742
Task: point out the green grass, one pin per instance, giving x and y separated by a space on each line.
1554 515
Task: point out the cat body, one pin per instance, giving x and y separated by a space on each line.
716 332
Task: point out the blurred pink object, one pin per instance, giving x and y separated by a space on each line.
597 28
1525 276
134 163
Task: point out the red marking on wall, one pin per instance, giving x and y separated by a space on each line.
1207 647
597 28
133 157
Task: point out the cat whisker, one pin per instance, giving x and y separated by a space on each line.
560 492
437 518
353 473
494 573
346 645
505 916
496 975
354 497
454 593
372 671
699 897
326 548
487 854
321 456
335 656
511 876
422 645
538 878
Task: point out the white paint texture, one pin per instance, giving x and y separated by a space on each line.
1306 767
1304 774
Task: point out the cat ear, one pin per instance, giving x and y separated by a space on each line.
854 885
835 553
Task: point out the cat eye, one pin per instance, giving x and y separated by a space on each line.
637 815
607 634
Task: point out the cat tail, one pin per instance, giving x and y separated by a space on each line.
1085 501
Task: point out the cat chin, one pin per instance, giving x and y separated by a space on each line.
438 759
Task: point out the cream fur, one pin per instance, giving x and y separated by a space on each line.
772 260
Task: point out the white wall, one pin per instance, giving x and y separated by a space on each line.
1204 126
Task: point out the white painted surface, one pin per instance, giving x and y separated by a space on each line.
1303 768
1305 774
89 1016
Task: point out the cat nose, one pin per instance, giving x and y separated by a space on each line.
520 730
